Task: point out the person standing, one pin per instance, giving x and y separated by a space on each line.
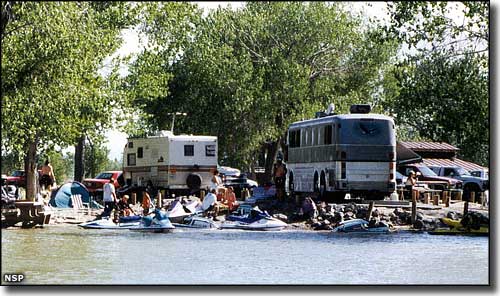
279 175
47 179
109 197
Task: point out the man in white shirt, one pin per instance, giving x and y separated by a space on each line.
210 202
109 197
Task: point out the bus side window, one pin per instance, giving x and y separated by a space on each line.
328 135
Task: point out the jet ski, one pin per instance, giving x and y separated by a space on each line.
472 224
158 223
255 220
361 226
108 223
198 223
178 212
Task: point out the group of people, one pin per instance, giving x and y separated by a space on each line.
219 197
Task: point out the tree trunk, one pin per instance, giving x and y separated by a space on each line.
79 159
272 151
30 169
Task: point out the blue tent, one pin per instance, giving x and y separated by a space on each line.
61 198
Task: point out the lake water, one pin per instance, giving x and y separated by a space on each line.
70 255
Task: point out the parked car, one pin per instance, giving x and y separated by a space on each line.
429 175
17 178
470 183
400 179
95 185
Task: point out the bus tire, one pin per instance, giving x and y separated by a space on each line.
316 184
322 186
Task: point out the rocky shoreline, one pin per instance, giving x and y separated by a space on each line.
399 217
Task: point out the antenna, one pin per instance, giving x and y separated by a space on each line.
330 109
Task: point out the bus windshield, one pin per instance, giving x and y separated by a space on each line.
367 131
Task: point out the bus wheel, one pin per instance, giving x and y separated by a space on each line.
316 184
322 186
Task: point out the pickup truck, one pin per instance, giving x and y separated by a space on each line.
470 182
429 175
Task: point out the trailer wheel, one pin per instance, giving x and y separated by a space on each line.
193 181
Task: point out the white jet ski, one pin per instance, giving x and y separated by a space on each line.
158 223
197 223
108 223
255 220
361 226
179 212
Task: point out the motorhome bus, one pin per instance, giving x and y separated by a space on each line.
332 155
176 163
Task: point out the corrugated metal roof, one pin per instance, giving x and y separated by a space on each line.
469 166
430 146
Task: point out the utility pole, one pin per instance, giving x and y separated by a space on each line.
173 119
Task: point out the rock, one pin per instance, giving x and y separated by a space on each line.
316 225
320 218
418 225
375 213
361 213
338 217
326 222
313 221
398 211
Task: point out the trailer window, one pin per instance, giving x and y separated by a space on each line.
210 150
130 144
188 150
139 152
131 159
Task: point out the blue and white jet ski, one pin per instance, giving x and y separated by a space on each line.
158 223
108 223
255 220
361 226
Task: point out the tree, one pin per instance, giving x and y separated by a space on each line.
50 55
96 159
447 100
443 84
247 74
452 27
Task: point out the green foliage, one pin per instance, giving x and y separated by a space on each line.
449 26
11 162
96 160
447 100
245 75
51 92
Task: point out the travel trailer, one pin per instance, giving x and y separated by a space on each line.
172 162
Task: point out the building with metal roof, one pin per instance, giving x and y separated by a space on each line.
439 154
